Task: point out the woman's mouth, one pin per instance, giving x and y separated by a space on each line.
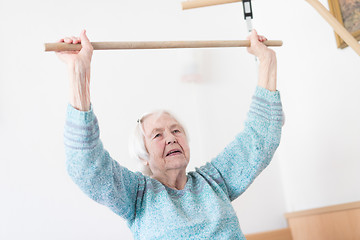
174 152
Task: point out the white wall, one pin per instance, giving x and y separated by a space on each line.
316 164
320 146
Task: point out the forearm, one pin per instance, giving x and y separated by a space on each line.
79 76
268 71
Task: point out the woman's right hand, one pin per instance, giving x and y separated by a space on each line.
78 63
83 56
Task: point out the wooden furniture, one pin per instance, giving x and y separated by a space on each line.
281 234
338 222
338 28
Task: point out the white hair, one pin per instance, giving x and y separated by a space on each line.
137 146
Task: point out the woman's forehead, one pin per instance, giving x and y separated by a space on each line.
158 121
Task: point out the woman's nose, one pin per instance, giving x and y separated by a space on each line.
171 140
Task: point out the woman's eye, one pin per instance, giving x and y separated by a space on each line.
157 135
176 131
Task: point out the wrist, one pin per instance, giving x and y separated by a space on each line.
267 56
76 66
79 86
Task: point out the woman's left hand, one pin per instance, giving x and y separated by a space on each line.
267 58
257 47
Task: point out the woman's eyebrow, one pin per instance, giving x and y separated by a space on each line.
176 125
156 130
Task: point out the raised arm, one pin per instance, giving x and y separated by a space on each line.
236 167
88 163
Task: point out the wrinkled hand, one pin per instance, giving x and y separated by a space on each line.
268 62
82 57
78 63
257 47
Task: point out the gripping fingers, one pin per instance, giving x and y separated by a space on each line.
83 40
75 40
262 38
71 40
68 40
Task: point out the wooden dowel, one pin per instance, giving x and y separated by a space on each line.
204 3
157 45
338 28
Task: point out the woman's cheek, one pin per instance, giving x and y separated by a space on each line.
160 147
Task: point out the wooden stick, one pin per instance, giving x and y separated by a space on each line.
338 28
204 3
157 45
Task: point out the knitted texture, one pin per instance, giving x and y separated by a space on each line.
202 210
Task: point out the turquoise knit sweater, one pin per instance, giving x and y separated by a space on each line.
202 210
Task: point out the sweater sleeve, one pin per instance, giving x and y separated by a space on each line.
244 158
93 170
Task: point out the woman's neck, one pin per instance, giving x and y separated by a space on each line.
175 180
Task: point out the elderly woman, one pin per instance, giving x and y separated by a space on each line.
166 202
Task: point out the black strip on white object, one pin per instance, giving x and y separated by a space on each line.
247 9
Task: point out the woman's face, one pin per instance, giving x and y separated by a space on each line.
166 143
